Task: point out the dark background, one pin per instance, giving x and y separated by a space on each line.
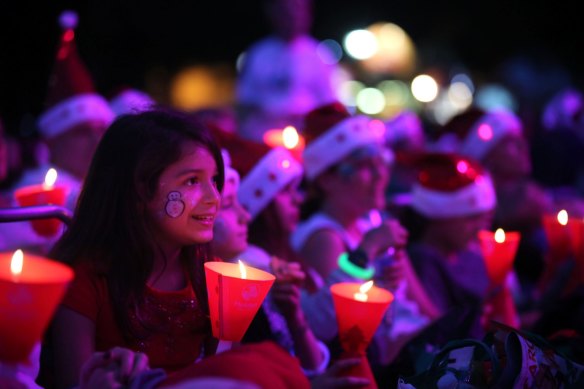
125 42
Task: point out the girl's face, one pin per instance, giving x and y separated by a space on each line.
187 200
287 203
365 176
230 232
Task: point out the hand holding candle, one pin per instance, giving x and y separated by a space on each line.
31 287
43 194
499 251
236 292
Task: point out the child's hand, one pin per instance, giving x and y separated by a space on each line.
285 271
112 369
389 234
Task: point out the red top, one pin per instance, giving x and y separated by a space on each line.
170 327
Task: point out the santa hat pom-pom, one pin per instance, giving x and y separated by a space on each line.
68 20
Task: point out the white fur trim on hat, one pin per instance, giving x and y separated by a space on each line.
339 141
488 131
472 199
131 101
270 175
73 111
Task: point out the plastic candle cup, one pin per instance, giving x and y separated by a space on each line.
359 310
576 227
499 249
31 287
558 235
236 293
43 194
288 138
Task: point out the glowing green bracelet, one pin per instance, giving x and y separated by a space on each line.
353 270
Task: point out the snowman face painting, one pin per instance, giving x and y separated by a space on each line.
187 200
174 206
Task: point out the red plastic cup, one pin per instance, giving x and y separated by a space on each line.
28 302
40 195
499 257
234 301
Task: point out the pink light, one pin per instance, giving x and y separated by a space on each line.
377 126
285 164
485 132
462 167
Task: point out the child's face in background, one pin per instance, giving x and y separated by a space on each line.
187 199
457 233
287 203
365 176
230 231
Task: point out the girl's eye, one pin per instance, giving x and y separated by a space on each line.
192 181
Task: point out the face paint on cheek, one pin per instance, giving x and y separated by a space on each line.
174 205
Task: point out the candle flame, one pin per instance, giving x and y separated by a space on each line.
290 137
50 178
242 269
366 286
499 235
563 217
17 262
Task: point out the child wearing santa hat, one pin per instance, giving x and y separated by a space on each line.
73 120
346 172
452 201
281 318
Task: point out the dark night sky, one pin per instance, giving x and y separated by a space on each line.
122 41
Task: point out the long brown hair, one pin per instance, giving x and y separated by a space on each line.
109 228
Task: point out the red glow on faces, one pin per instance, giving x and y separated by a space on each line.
485 132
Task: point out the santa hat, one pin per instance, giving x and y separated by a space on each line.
71 99
450 185
269 176
486 132
332 134
130 100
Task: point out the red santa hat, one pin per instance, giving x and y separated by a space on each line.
333 134
268 176
486 132
71 98
450 185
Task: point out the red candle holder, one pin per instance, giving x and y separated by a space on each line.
576 227
558 236
499 256
358 320
288 138
42 195
27 303
234 300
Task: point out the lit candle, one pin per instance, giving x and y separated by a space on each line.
558 235
16 264
31 287
361 295
288 138
46 193
235 293
499 251
359 310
